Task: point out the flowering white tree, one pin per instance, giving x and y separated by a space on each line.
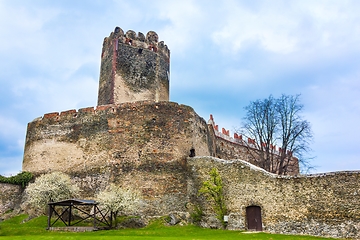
117 199
50 187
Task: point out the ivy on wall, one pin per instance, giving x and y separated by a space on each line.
21 179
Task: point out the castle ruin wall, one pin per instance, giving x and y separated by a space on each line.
323 204
10 197
143 145
227 147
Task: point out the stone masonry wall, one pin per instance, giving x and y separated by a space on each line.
143 145
229 148
323 204
10 197
134 67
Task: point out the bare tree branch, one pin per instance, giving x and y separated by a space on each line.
274 122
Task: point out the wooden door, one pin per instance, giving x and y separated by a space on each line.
253 217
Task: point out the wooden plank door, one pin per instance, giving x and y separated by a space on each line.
253 217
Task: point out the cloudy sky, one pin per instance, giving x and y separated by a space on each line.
224 54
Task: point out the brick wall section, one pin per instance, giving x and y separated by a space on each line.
10 197
324 204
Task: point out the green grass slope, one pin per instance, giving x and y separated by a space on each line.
14 229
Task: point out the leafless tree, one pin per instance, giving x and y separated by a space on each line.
260 123
295 132
272 122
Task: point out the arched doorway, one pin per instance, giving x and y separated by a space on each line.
253 218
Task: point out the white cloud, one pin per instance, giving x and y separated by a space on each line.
185 20
284 27
41 55
242 27
23 25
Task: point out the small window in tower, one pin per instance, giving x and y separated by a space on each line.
140 50
192 152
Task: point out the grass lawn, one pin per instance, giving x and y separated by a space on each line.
14 229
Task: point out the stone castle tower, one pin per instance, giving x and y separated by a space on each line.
133 68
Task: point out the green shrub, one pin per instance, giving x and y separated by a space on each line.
196 214
21 179
213 190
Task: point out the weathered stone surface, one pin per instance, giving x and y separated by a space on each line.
211 221
180 218
133 223
324 204
10 197
143 145
133 68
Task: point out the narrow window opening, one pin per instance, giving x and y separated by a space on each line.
128 41
192 152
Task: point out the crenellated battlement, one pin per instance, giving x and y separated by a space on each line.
134 67
98 110
225 134
238 139
139 40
